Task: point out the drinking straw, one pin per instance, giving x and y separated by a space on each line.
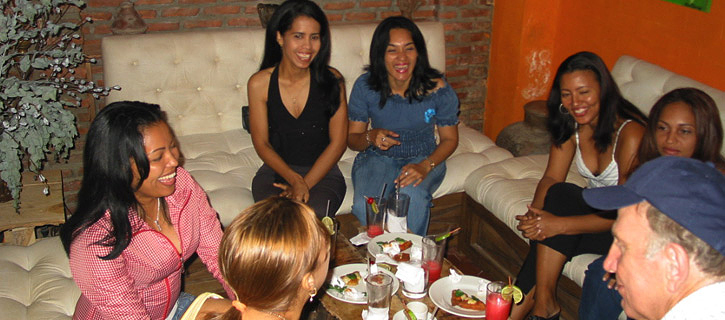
327 211
382 192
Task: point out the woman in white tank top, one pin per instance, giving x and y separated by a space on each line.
592 124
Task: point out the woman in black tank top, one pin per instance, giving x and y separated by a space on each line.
298 111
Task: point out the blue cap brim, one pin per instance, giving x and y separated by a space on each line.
611 198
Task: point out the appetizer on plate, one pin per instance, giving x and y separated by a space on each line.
465 301
400 242
395 248
351 279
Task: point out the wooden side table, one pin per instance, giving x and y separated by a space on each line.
36 209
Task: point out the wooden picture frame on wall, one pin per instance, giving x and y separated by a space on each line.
702 5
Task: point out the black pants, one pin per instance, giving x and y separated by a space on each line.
565 199
332 187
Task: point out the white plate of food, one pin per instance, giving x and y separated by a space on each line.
360 269
441 293
405 240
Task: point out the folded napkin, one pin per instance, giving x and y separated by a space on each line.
412 275
360 239
375 315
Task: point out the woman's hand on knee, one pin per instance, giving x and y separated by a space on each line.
412 173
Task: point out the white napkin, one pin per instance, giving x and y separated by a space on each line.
384 258
366 315
412 275
455 277
392 249
482 286
360 239
416 253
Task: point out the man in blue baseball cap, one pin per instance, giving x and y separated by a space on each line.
669 239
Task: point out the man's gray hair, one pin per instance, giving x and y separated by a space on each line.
666 230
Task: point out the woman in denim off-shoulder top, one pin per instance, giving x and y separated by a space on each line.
404 99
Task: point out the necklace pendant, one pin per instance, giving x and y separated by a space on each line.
158 225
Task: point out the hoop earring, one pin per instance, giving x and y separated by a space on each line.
562 110
313 293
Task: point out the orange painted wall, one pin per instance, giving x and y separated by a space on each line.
684 40
522 39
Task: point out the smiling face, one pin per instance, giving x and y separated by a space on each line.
676 131
301 43
400 58
640 278
580 96
163 156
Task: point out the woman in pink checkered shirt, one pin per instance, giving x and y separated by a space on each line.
139 217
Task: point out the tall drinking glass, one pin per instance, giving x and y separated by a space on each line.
333 240
396 212
379 287
433 252
374 212
497 304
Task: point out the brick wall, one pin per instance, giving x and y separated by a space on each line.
467 31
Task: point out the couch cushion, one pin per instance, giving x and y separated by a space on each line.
35 282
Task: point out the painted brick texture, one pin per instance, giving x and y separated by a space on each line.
467 29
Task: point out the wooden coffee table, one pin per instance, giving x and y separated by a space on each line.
346 253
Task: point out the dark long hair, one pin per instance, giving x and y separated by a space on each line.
320 74
708 127
423 77
611 103
113 140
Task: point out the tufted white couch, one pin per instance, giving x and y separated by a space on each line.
504 188
35 282
199 79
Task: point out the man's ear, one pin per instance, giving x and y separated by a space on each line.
677 265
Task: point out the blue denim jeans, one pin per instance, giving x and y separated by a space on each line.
371 170
598 301
183 303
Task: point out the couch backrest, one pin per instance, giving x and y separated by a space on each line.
200 78
643 83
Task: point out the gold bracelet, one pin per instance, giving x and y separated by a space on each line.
432 164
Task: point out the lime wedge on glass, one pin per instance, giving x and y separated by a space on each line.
329 224
512 291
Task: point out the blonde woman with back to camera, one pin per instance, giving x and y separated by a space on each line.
275 256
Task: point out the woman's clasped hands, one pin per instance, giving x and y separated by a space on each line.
298 190
538 224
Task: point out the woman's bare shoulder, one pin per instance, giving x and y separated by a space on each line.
260 78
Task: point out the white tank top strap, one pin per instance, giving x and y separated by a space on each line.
616 138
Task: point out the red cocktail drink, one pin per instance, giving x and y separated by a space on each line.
374 209
497 305
434 270
374 230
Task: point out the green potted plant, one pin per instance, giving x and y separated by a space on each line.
40 50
